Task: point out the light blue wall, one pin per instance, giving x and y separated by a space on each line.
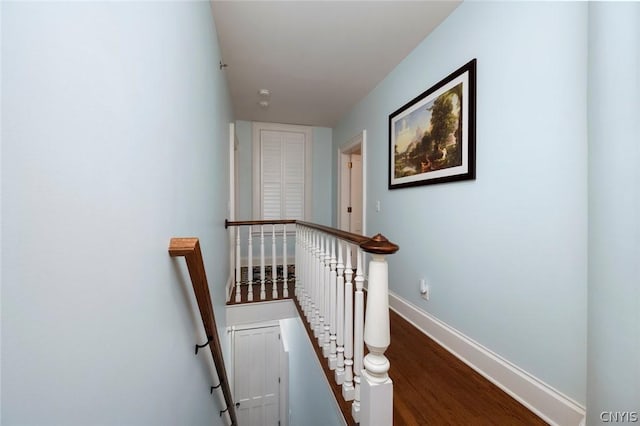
322 169
506 254
614 210
323 166
311 402
114 139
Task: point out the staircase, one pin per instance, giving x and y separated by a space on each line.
425 383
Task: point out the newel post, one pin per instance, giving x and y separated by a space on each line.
376 388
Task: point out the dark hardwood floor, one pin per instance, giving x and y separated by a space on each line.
433 387
244 293
430 385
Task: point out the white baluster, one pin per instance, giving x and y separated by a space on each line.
263 291
321 287
302 275
326 345
285 272
348 388
376 391
306 283
238 270
340 317
296 260
313 280
274 266
250 265
358 351
333 281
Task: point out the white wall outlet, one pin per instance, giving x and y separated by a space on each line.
378 206
424 289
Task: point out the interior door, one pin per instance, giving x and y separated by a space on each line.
355 217
256 375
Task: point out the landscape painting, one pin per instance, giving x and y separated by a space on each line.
432 138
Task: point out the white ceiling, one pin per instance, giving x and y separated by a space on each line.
318 58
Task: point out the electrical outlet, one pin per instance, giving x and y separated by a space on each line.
378 206
424 289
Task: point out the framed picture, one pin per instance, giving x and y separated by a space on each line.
432 137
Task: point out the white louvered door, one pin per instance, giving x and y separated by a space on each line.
282 165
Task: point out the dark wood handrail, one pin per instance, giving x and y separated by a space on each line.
228 223
377 244
190 249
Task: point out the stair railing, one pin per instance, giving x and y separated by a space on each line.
255 230
328 286
189 248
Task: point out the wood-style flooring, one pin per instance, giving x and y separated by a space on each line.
430 385
244 293
433 387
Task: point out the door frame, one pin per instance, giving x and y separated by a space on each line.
232 203
352 145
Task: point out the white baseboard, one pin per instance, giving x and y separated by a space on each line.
546 402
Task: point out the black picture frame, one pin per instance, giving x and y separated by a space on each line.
432 138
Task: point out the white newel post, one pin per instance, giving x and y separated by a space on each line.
376 387
358 336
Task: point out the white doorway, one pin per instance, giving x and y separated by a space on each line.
352 185
257 382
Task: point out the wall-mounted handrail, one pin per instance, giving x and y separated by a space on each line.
189 248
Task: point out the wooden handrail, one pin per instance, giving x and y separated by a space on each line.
377 244
190 249
228 223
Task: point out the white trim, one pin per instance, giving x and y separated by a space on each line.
260 312
343 159
231 207
257 174
361 140
549 404
364 183
232 184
